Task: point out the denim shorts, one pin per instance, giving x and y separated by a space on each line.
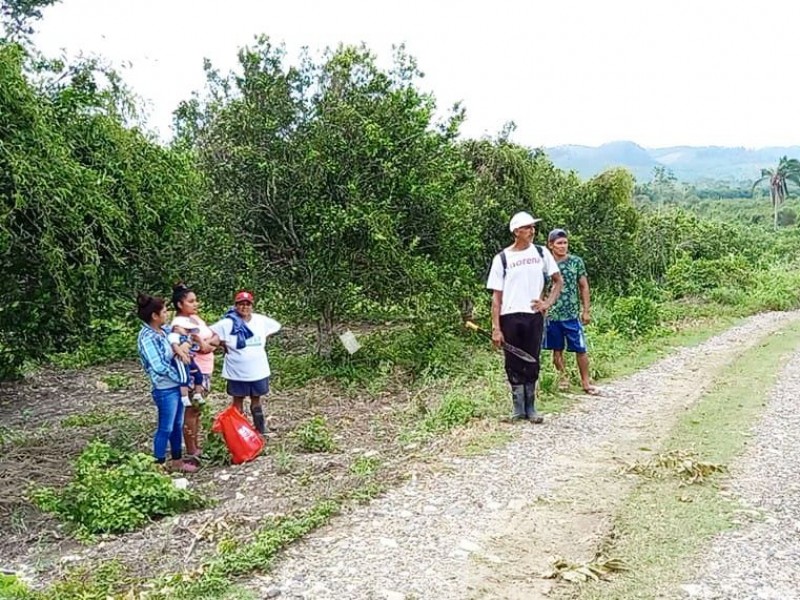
248 388
570 331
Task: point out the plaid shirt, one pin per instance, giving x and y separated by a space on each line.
156 355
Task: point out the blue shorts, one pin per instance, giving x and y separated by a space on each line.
248 388
571 331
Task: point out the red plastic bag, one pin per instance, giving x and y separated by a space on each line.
241 439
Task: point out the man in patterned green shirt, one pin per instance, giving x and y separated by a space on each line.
566 317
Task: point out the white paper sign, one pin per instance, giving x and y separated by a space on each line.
350 342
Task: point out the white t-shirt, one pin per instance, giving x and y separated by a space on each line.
524 281
249 363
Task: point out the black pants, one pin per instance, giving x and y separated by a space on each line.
523 330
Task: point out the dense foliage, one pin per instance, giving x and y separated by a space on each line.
89 209
329 186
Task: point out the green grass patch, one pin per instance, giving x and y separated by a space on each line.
117 381
235 560
484 441
93 418
666 521
365 466
11 588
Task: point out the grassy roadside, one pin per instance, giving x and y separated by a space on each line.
665 522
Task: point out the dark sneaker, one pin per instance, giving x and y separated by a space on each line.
536 419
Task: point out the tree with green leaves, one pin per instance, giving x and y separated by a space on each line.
90 210
510 178
338 175
779 178
17 16
607 223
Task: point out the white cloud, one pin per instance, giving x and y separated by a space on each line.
575 71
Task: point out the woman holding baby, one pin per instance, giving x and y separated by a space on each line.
186 320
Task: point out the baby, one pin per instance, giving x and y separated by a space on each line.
183 332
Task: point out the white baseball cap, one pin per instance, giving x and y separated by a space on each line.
521 219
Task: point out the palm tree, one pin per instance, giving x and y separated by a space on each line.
788 171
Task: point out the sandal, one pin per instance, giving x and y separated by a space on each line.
592 391
563 385
182 466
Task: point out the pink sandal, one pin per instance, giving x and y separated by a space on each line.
183 466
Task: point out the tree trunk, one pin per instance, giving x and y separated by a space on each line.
325 332
775 212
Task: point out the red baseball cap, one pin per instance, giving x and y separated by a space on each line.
243 296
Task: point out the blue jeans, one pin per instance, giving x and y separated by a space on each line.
170 423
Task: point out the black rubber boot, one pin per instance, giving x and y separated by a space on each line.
518 402
258 418
530 404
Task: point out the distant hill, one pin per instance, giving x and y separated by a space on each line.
688 163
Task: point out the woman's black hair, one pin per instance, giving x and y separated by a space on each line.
147 305
179 292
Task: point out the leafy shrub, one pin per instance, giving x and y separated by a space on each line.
728 296
115 492
314 435
776 289
633 316
689 277
787 216
423 349
103 341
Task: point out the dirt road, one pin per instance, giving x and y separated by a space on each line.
488 527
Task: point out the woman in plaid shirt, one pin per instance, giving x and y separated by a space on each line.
156 355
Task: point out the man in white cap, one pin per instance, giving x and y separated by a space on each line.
517 280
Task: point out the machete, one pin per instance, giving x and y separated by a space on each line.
505 345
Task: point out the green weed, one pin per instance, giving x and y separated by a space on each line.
104 341
365 466
314 436
115 492
455 409
93 418
283 459
213 580
11 588
117 381
215 451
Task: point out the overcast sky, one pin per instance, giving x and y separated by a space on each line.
660 73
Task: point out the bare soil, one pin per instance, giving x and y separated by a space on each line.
42 431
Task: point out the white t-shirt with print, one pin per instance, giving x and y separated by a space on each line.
524 281
249 363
